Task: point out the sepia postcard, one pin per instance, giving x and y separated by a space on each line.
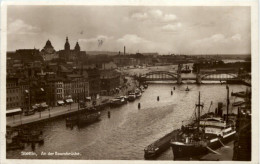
129 82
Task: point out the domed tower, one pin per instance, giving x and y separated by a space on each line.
48 48
67 45
77 47
48 44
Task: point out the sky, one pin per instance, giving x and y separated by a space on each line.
165 30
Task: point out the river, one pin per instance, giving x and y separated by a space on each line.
129 130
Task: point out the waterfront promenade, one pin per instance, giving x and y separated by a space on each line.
64 110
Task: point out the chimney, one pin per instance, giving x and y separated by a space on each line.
124 50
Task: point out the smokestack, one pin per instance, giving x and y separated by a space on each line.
124 50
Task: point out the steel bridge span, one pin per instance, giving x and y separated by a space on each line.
205 76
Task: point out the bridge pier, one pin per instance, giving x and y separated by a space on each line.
179 80
198 79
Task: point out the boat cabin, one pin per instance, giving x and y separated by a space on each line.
214 125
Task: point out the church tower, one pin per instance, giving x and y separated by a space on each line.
67 45
77 47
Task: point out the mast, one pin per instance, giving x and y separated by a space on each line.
78 102
199 105
227 102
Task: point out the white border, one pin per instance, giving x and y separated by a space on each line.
254 52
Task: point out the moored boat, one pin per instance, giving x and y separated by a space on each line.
138 93
12 141
239 94
87 119
117 101
238 103
29 136
131 97
202 137
159 146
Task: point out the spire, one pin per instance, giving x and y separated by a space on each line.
67 45
77 47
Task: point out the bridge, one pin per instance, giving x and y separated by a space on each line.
230 76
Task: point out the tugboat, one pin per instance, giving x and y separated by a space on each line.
200 138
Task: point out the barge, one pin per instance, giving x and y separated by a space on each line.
159 146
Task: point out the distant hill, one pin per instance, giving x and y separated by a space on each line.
101 52
114 53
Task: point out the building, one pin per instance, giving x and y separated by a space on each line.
28 55
13 94
24 92
69 54
67 89
48 53
59 90
79 87
94 82
51 91
110 81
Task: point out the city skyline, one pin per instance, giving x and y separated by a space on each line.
185 30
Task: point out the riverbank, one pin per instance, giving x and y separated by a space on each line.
65 110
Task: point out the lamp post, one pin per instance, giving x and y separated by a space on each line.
40 114
21 117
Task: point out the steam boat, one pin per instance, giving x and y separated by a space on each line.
203 136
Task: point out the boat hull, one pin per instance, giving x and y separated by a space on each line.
159 146
131 98
87 121
153 155
182 151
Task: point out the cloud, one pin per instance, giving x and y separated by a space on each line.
18 26
132 39
219 38
172 27
140 16
219 43
169 17
236 37
156 15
